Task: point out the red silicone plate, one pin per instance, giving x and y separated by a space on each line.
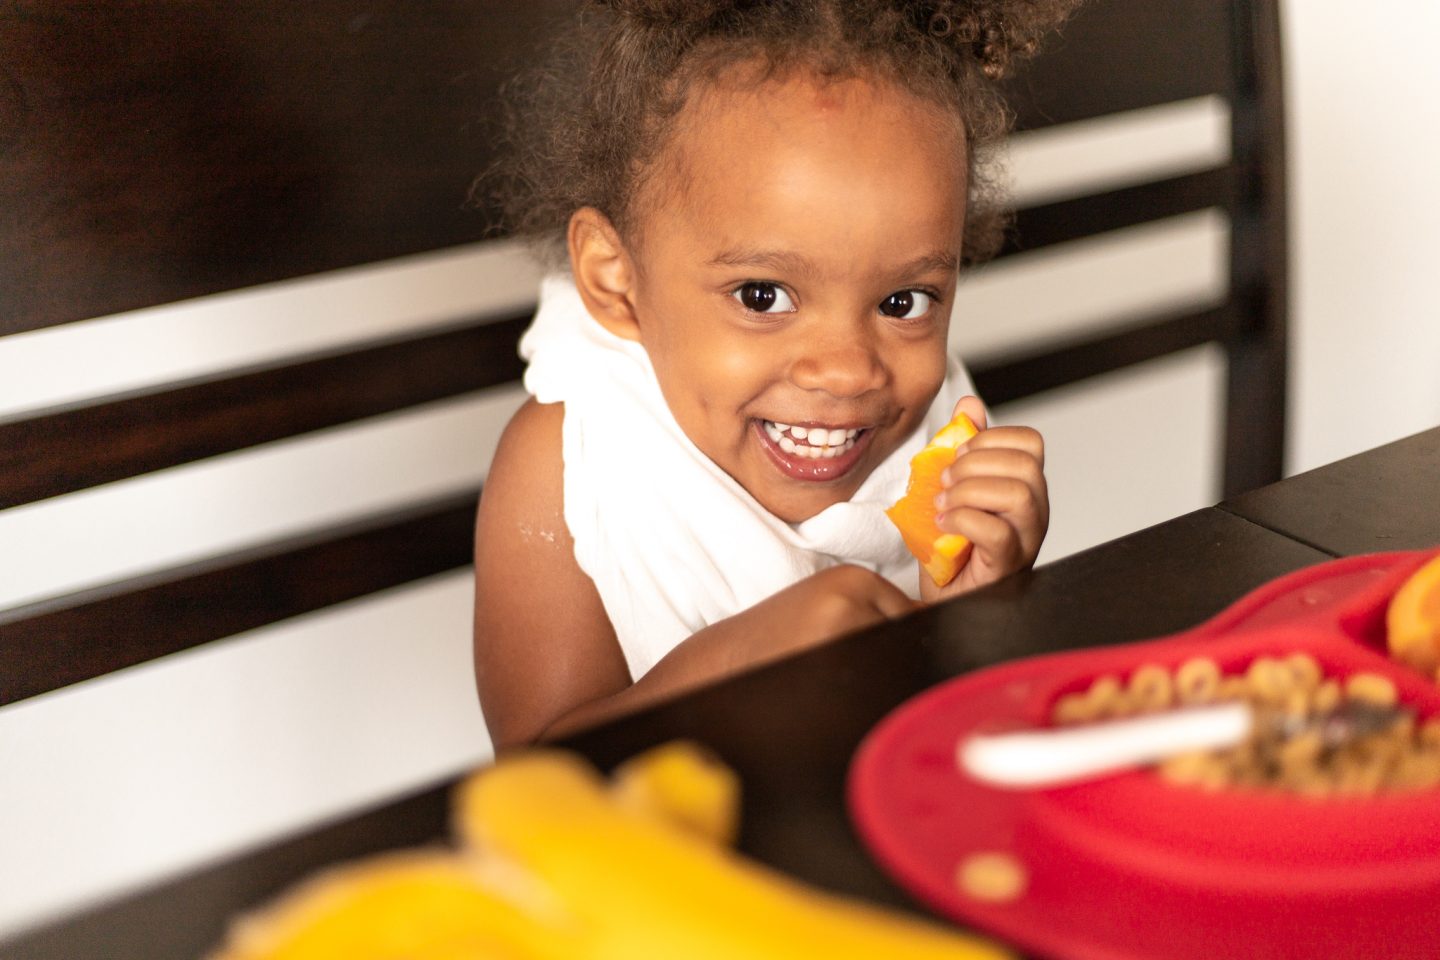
1128 866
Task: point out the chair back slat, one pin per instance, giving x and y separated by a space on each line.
1067 220
73 638
1059 364
153 430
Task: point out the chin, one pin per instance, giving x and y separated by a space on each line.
796 509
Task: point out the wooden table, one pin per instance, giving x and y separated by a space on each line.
791 728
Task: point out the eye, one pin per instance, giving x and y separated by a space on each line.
764 298
906 304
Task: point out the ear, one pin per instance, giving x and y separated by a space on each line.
604 272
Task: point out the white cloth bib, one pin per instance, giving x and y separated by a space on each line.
672 543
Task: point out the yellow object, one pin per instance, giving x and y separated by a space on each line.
685 784
557 862
1412 621
646 888
419 905
941 554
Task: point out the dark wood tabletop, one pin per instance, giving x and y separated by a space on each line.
790 728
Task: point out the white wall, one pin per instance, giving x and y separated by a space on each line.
213 750
1364 83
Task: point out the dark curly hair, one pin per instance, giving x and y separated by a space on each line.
583 128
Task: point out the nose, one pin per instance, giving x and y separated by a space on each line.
842 368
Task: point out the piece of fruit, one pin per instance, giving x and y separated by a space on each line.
685 784
941 554
421 905
557 863
644 887
1412 621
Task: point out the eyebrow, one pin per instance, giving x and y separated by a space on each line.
938 261
781 260
786 261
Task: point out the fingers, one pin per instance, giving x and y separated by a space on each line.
891 601
1024 439
867 588
999 546
996 496
972 408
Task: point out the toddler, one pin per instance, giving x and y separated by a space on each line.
763 207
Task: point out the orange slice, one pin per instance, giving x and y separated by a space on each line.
1412 621
941 554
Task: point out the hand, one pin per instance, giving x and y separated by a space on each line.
835 601
995 496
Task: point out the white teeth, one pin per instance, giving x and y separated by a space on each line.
812 443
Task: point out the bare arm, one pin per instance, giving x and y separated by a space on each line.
542 641
546 658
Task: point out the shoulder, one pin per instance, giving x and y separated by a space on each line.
533 434
527 473
521 517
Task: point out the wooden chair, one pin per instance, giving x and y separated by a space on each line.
154 153
1117 55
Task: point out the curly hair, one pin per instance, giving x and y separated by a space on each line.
583 127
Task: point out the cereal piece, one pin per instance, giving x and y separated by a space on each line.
1417 771
1301 750
1106 697
1304 670
1268 679
1197 769
1184 767
1371 688
1368 775
1301 754
1072 708
1327 697
995 877
1296 707
1233 688
1197 680
1311 782
1150 688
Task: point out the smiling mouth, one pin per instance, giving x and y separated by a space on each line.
815 453
813 443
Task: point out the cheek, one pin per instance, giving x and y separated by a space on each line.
922 370
729 368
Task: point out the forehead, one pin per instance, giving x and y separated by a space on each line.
857 162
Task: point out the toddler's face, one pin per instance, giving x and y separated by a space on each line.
795 269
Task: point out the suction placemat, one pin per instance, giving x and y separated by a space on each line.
1130 866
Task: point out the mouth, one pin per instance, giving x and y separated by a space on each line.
814 452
